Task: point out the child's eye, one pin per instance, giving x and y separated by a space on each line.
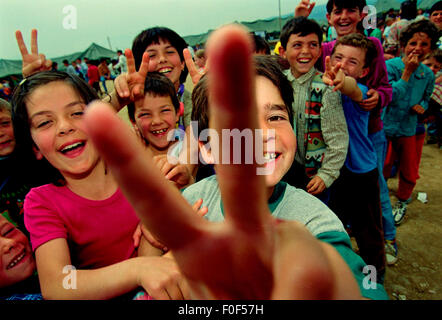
277 118
5 123
7 230
78 113
144 114
314 45
43 124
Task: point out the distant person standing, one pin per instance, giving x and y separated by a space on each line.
94 76
200 60
104 73
122 63
82 66
69 68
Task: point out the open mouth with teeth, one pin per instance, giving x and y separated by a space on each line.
17 259
271 156
304 60
159 132
73 149
165 71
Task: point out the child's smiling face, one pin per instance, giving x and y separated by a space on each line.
155 117
344 20
302 52
433 64
419 44
7 139
352 60
436 18
273 115
16 260
57 128
165 59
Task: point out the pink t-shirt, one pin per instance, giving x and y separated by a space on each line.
99 233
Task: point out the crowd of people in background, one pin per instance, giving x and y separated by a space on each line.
349 108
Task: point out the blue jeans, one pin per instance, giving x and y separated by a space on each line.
380 145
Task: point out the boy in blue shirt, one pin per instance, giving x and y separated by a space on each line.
413 85
350 60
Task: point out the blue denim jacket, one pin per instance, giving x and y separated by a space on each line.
399 119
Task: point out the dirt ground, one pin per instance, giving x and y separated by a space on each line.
417 274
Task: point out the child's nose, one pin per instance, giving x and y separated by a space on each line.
65 126
344 13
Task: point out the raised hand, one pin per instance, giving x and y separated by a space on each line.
130 86
411 64
333 76
32 62
195 75
250 255
304 8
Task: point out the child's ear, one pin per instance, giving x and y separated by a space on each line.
365 71
206 152
37 152
327 15
282 52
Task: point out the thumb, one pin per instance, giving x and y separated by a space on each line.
32 68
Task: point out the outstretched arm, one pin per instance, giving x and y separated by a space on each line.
222 260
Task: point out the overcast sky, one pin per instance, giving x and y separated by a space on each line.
59 33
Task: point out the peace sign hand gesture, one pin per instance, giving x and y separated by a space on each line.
32 62
130 86
250 255
333 76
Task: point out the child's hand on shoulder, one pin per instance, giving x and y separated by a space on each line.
372 100
130 86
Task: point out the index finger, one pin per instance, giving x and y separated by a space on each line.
21 43
231 84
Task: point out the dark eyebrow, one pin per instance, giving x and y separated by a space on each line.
275 107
